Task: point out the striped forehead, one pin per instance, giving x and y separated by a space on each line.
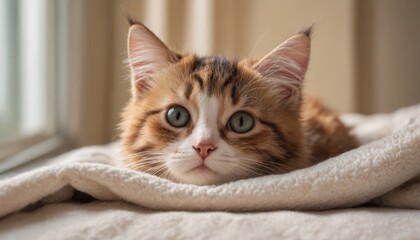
213 74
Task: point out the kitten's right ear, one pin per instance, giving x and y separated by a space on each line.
147 55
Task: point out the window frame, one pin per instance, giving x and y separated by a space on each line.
20 150
76 67
84 34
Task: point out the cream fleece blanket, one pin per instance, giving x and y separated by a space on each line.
384 172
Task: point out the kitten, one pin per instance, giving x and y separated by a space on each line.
210 120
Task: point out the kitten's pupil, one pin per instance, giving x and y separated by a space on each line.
241 121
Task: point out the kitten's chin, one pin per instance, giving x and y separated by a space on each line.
200 175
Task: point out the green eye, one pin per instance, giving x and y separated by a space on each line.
177 116
241 122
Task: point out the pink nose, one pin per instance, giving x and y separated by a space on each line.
204 149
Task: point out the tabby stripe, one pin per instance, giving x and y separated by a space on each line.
145 117
198 79
234 95
188 90
168 135
212 82
148 146
231 77
222 63
222 133
230 80
178 57
198 64
280 137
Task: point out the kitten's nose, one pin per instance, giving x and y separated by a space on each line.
204 149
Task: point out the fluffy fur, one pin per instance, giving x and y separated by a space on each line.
289 132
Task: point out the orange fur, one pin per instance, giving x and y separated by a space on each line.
326 135
286 137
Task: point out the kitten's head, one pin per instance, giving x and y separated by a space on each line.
210 120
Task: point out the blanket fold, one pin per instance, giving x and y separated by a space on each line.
384 172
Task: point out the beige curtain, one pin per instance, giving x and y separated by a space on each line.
365 53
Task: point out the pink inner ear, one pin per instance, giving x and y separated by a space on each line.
282 69
299 53
147 55
286 66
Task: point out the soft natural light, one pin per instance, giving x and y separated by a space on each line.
24 88
33 68
8 46
26 75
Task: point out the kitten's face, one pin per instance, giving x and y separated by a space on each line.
208 120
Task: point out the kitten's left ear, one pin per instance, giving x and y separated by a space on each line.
286 66
147 55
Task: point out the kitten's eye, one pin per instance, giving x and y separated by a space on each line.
177 116
241 122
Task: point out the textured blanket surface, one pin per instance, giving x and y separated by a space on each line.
384 172
121 220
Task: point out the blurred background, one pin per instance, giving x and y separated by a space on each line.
63 80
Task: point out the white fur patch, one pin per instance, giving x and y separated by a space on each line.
206 126
221 163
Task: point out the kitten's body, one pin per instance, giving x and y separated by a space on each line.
221 98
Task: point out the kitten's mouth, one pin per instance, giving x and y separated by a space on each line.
202 168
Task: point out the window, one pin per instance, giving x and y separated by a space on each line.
27 79
54 75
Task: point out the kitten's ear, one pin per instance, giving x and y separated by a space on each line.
286 65
147 55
